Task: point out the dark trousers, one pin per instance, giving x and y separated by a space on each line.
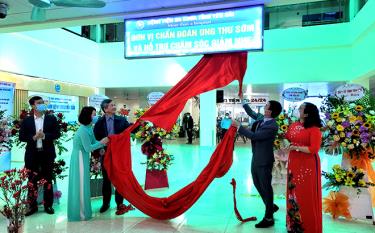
40 166
107 190
190 135
223 132
262 178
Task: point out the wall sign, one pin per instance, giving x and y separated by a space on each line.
350 92
258 100
68 105
154 97
96 100
294 94
7 97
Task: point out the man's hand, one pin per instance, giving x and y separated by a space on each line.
241 98
236 123
38 135
41 134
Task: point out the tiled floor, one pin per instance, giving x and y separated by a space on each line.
213 212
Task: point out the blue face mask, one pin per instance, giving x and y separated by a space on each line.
95 119
41 107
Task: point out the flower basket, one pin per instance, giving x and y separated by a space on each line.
96 187
359 204
156 179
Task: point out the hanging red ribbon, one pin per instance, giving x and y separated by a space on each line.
211 72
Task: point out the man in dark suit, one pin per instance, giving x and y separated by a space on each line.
39 132
262 135
107 125
189 125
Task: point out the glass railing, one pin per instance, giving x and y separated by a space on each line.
285 16
307 14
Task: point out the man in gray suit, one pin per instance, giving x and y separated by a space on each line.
262 134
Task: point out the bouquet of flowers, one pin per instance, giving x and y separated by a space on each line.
342 177
349 126
284 120
57 170
151 136
139 112
157 157
13 192
5 132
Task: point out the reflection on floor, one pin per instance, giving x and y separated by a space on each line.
213 212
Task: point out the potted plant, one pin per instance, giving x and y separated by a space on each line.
14 189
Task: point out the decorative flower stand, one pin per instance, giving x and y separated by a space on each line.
156 179
279 173
359 204
96 187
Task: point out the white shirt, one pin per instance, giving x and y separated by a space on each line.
39 121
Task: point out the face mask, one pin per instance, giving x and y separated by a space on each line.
95 119
41 107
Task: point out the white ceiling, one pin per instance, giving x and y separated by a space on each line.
19 13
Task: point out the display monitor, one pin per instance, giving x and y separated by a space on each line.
215 31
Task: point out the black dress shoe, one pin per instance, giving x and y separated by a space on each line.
104 208
31 211
275 208
49 210
265 223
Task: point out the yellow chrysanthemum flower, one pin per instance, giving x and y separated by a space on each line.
359 118
336 167
343 144
362 183
277 142
352 119
339 119
340 128
358 108
284 127
342 135
349 182
281 117
335 115
336 138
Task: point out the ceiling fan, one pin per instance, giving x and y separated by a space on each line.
39 6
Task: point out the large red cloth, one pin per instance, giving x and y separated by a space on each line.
211 72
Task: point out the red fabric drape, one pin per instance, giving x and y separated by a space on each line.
211 72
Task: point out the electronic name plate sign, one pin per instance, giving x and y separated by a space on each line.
229 30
